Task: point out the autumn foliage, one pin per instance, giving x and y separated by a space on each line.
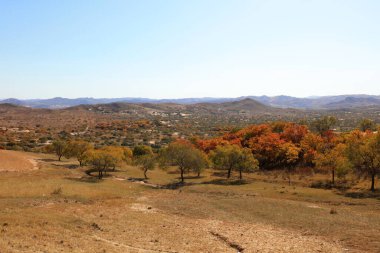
284 145
273 145
280 145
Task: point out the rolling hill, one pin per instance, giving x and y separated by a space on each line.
247 105
354 102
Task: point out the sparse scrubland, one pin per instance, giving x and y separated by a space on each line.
278 187
149 178
155 125
176 126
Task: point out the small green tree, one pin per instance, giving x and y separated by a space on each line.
334 161
367 125
324 124
59 147
145 163
142 150
79 150
127 155
199 162
233 157
247 162
226 158
182 155
364 153
104 159
116 155
291 157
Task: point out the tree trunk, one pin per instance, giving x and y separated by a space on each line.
240 174
333 177
182 178
100 174
373 182
145 174
59 157
229 173
199 173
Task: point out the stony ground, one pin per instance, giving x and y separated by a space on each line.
138 226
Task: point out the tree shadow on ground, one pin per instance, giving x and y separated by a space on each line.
219 174
137 179
226 182
48 160
173 172
362 195
84 179
67 166
90 171
176 185
192 177
94 173
327 185
106 172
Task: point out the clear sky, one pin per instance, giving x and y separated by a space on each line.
188 48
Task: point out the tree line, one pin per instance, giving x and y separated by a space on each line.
181 154
285 145
278 145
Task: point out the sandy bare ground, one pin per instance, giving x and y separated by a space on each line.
16 161
213 235
142 228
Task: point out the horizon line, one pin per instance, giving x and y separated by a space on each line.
206 97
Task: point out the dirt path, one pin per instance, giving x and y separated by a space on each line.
17 161
128 247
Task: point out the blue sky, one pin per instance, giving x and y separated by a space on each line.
197 48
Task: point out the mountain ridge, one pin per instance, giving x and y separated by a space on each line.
282 101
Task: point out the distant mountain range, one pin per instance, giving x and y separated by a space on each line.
247 105
325 102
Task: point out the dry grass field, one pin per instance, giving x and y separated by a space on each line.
59 208
16 161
